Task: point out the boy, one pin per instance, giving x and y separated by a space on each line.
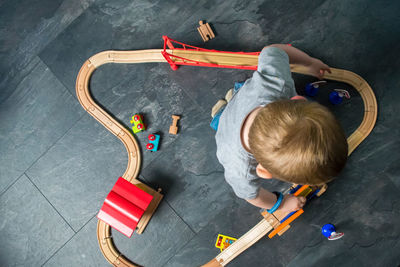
267 131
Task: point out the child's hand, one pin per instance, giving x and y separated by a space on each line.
318 68
292 203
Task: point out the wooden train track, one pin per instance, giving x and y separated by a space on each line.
104 236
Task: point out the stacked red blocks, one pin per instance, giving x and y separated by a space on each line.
124 206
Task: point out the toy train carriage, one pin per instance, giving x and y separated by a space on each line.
154 140
224 241
138 125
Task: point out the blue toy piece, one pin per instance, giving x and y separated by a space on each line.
154 140
328 229
335 98
311 90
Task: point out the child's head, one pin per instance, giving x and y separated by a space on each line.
298 141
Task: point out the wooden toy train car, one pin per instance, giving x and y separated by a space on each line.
154 140
137 121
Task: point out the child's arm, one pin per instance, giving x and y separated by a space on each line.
296 56
266 200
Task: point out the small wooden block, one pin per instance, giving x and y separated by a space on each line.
322 190
205 31
157 197
173 129
281 232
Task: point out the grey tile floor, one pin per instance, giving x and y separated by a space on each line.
57 163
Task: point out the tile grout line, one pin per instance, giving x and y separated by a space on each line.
61 82
67 241
194 232
190 228
55 142
8 187
180 247
20 81
66 89
58 249
69 129
50 202
75 232
86 222
14 64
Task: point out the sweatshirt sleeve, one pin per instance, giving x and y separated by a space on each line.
273 61
273 73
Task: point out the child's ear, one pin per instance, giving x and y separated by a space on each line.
262 172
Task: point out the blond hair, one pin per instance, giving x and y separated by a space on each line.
298 141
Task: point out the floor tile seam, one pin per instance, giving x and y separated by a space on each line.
19 82
62 29
74 96
83 226
55 37
15 63
90 3
194 233
55 142
75 234
61 247
176 213
51 204
48 149
147 181
12 183
177 250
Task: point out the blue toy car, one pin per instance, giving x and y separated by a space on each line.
154 140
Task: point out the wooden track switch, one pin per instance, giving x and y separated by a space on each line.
205 31
173 129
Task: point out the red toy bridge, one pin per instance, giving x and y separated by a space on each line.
174 60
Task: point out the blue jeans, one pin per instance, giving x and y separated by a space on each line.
215 121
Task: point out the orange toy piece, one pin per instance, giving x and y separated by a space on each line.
281 224
173 129
205 31
285 224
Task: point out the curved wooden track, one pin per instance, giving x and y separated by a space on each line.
104 236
